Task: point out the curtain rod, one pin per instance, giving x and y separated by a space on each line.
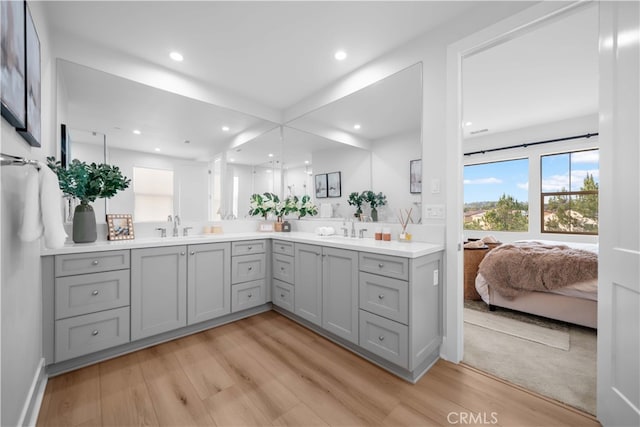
9 160
528 144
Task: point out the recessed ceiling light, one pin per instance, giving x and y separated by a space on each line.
340 55
225 128
306 162
468 123
232 159
176 56
156 149
137 132
356 126
269 171
270 154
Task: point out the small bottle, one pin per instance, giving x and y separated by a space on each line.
378 234
386 234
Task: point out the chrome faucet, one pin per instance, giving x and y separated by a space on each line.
345 229
353 229
176 223
361 233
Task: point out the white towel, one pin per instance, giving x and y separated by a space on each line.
42 208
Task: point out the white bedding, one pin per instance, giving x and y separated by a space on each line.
587 289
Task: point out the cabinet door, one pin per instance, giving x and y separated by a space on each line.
308 283
208 281
158 290
340 293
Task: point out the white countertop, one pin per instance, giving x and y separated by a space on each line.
405 249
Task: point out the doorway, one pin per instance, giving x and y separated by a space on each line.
519 89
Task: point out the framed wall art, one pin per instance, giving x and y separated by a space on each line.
13 90
120 227
32 129
415 176
321 185
334 184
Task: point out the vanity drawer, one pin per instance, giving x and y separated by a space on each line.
385 296
248 247
91 262
88 293
391 266
282 247
247 295
384 337
248 267
283 268
86 334
283 294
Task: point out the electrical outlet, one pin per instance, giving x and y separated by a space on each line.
434 211
436 275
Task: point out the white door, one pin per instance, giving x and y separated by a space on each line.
619 269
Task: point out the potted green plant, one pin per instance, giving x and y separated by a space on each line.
374 200
305 207
356 199
87 182
263 204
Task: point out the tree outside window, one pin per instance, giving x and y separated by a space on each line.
569 196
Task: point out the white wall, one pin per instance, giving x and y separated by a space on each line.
20 288
354 166
390 164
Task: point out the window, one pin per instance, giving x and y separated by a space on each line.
153 192
569 192
496 196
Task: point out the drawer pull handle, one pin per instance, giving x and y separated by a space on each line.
281 268
381 337
281 295
95 262
380 265
381 296
249 296
182 253
250 247
192 253
250 268
282 248
94 293
95 332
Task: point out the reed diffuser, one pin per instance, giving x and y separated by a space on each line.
404 236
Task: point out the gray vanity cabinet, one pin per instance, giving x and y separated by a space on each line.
340 293
208 281
308 282
248 274
158 290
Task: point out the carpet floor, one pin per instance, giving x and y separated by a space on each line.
567 375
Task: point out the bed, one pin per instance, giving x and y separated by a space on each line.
551 279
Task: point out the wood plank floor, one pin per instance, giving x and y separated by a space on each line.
267 370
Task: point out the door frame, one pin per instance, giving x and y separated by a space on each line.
538 15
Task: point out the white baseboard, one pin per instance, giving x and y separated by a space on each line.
31 409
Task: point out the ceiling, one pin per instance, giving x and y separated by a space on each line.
275 53
546 75
278 53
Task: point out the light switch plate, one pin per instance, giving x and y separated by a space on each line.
434 211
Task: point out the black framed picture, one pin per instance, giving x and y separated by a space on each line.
415 176
32 129
334 184
321 185
13 91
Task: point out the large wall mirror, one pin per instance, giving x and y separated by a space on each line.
371 137
170 146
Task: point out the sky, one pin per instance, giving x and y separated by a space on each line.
489 181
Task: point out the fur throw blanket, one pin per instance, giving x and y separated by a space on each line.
513 269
